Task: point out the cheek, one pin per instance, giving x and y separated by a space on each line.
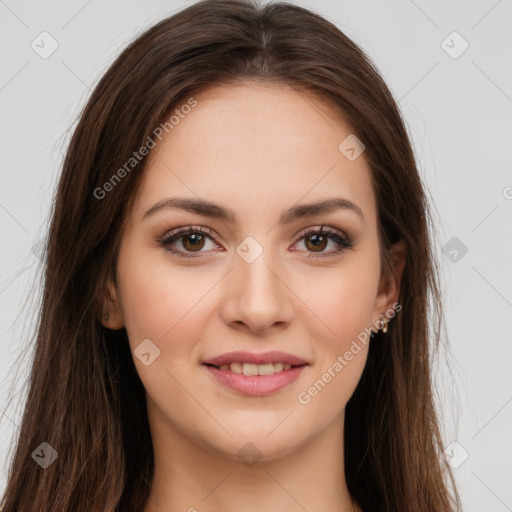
340 352
339 307
339 301
165 307
158 302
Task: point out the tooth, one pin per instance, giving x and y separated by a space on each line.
250 369
236 367
266 369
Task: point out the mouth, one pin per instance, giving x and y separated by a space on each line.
255 374
255 380
251 369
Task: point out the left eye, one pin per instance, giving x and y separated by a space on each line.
193 240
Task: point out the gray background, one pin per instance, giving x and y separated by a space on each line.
459 115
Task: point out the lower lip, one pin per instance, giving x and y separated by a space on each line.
256 385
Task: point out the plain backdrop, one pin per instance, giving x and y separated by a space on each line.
449 66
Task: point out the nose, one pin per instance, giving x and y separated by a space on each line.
257 297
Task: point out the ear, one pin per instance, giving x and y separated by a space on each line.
111 308
389 286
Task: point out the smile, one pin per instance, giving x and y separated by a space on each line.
256 379
255 369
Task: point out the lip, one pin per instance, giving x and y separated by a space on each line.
253 358
256 385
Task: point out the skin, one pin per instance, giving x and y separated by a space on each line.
257 150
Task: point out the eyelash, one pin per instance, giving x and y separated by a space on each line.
342 242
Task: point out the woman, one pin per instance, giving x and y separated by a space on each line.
235 306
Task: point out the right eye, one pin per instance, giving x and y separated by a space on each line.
191 238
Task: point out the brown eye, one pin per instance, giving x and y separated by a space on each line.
187 242
318 242
193 242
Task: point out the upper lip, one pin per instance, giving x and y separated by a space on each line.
250 357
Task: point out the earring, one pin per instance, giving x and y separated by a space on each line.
106 316
385 322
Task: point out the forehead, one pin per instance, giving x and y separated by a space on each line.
251 144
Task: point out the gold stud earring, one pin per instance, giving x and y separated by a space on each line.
385 322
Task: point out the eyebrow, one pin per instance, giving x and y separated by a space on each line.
207 209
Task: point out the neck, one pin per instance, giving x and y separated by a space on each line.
194 478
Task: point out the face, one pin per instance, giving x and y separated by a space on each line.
260 279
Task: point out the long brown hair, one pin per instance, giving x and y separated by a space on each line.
85 398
